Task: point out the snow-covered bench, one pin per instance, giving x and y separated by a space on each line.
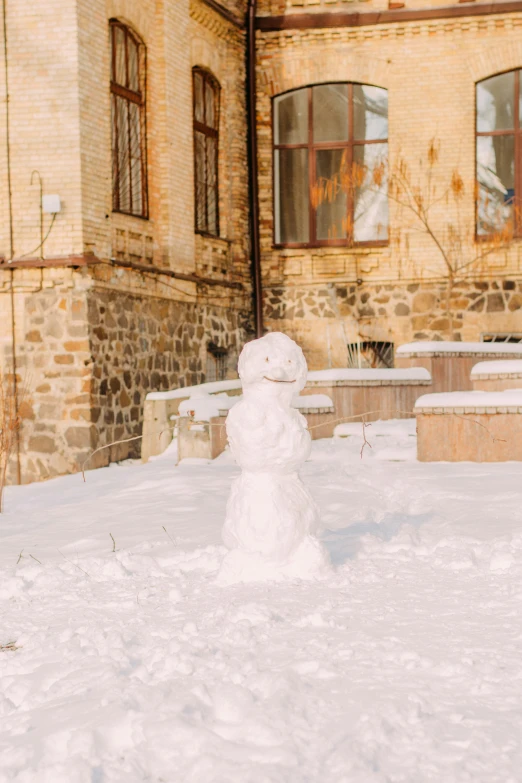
202 421
450 363
497 375
161 406
474 426
377 393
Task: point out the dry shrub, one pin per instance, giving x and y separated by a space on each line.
9 424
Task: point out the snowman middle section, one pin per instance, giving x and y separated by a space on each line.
269 511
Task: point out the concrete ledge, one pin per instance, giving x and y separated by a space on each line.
451 363
497 375
473 426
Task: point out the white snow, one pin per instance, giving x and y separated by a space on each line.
498 367
312 401
371 374
213 387
203 406
403 666
440 346
511 398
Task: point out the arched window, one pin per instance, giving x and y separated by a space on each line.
330 155
129 165
499 166
206 147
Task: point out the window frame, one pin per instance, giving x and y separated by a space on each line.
516 132
137 98
312 147
208 132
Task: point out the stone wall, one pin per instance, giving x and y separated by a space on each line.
88 351
327 317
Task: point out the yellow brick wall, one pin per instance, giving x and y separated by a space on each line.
430 70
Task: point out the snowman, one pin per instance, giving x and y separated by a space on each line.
271 517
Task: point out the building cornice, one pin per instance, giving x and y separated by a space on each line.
314 21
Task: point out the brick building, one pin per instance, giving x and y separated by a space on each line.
134 113
138 285
331 283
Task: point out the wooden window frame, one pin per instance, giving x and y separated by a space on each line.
208 132
312 148
516 132
141 209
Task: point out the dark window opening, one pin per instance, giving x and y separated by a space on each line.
499 169
216 363
129 159
206 149
513 337
330 163
370 354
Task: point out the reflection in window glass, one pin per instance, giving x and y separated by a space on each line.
206 150
496 179
330 112
331 220
292 197
329 165
371 196
291 118
370 112
495 103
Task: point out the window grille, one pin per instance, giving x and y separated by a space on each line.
129 168
206 147
370 354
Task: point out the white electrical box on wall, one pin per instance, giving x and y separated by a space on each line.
51 204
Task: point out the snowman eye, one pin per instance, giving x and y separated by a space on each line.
266 359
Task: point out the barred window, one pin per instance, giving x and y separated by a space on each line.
330 159
129 164
499 164
206 147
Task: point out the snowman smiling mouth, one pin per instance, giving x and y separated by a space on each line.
276 380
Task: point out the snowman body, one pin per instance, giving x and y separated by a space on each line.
271 517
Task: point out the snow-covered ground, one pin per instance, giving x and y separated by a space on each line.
404 666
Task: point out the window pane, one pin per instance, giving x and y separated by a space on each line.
119 56
135 159
370 112
212 205
371 192
291 118
331 215
199 105
292 199
495 103
132 53
496 178
199 152
330 112
123 154
210 106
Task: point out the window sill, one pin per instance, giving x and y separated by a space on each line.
130 215
326 250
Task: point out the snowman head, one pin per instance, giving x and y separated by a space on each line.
274 361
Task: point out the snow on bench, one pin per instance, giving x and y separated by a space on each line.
509 401
498 369
436 347
450 363
368 376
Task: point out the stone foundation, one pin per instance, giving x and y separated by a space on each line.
324 317
87 354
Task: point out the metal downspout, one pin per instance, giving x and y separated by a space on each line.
11 240
257 293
